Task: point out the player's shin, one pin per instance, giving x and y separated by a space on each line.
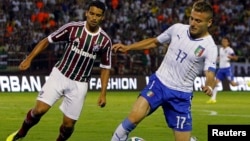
122 131
65 133
29 122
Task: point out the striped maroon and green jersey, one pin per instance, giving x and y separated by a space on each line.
81 50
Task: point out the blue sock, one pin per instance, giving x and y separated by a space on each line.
128 125
122 131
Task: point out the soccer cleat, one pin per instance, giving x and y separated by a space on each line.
14 137
193 138
211 101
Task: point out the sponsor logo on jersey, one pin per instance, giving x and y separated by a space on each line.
83 53
75 48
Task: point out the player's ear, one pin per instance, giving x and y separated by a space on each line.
86 13
103 17
209 23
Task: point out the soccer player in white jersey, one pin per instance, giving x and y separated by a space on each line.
226 55
191 51
84 41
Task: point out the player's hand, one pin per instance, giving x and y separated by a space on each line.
119 48
101 101
207 90
24 65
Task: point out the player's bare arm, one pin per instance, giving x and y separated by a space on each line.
119 47
105 73
144 44
25 64
210 83
233 57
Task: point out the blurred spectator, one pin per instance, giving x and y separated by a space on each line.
126 21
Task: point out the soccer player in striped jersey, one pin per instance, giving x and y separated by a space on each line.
191 51
226 55
84 41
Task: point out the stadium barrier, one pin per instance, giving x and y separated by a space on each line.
33 83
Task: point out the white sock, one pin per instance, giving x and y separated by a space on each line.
120 134
193 139
214 94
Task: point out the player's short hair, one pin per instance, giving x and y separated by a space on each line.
203 6
98 4
227 38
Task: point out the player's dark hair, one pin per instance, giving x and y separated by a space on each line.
203 6
98 4
227 38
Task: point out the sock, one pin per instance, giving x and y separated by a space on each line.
214 94
29 122
65 133
122 131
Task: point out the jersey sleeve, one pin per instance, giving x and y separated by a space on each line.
106 55
165 37
210 59
231 52
60 34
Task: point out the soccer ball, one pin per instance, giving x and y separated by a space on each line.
135 139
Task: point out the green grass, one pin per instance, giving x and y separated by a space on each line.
97 124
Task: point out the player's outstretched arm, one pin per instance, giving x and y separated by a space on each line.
25 64
119 48
143 44
233 57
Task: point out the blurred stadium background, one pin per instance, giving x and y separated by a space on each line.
24 22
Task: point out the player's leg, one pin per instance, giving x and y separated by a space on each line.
71 107
150 94
45 99
182 136
239 82
233 82
220 76
137 114
177 112
215 90
66 129
33 117
230 78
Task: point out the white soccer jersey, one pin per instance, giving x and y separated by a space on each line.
224 61
186 57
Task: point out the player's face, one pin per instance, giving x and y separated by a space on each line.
94 17
224 42
199 23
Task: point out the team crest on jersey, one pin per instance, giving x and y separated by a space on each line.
96 47
76 42
199 51
150 94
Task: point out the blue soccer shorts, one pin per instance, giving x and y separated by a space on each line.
225 73
175 104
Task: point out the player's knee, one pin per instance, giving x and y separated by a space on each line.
69 123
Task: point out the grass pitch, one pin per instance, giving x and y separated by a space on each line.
97 124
